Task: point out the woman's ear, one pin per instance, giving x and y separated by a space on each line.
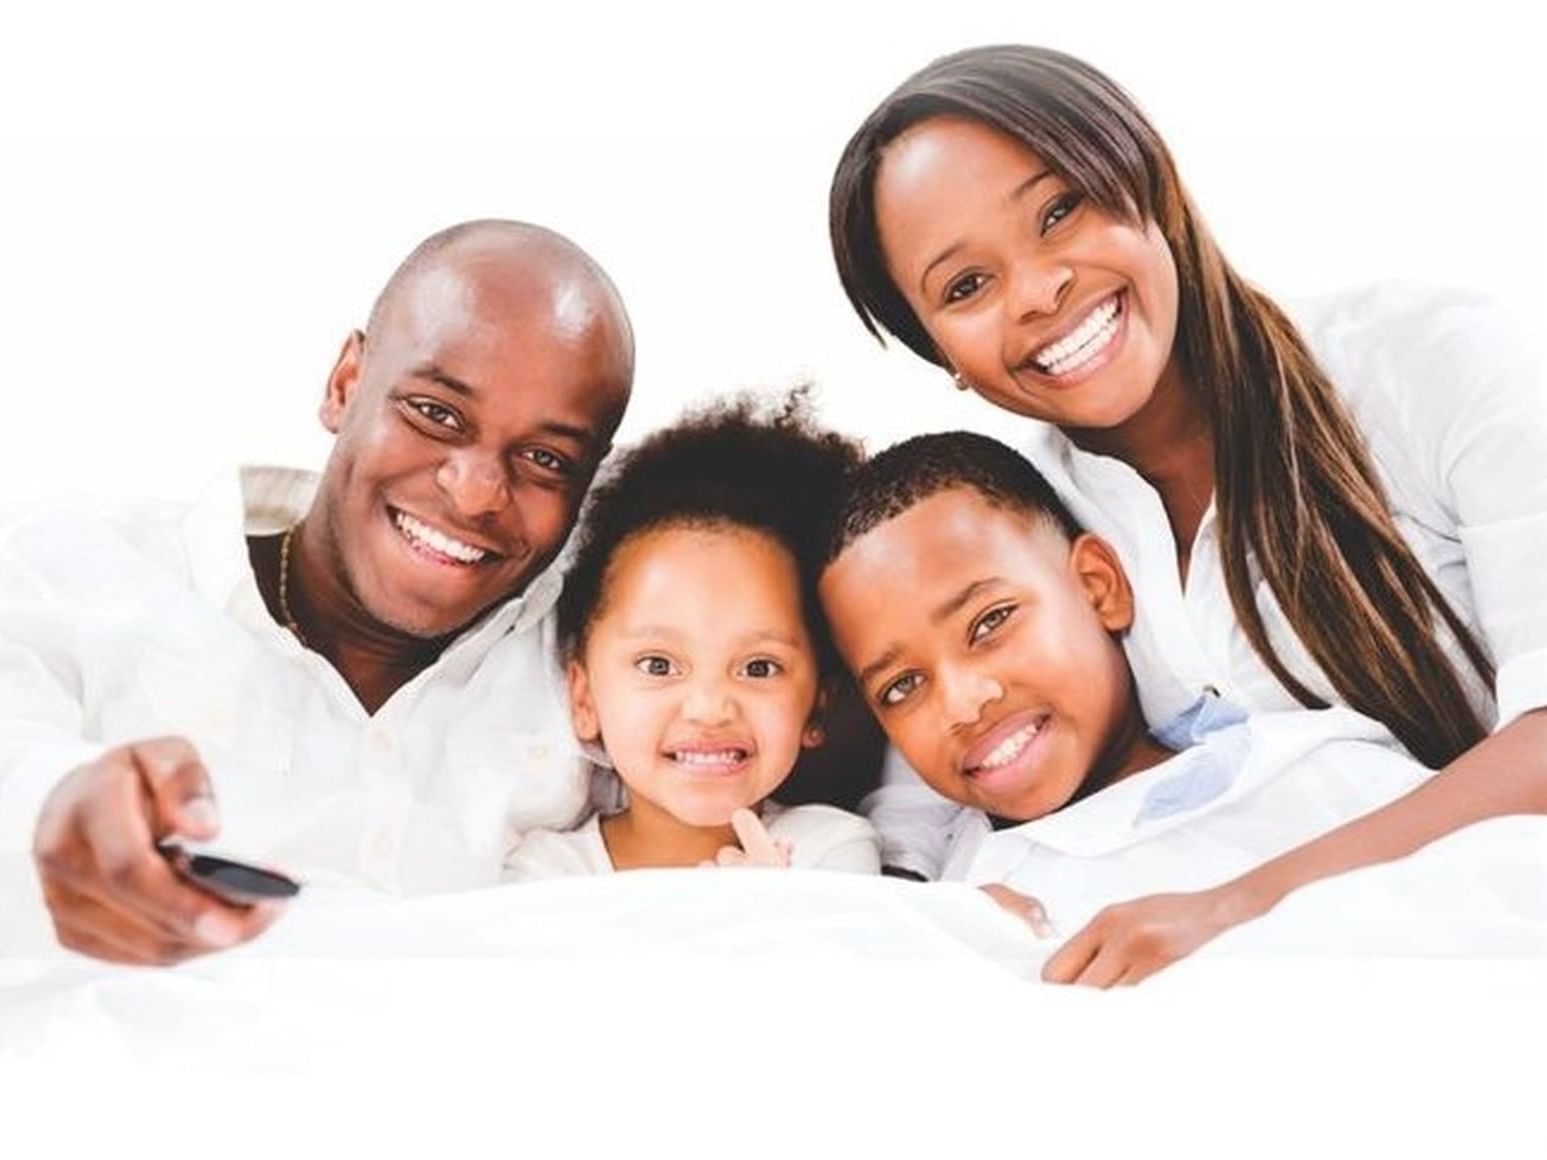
1100 574
582 706
342 381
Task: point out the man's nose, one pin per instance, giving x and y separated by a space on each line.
475 483
965 691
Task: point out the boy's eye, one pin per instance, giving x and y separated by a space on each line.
899 690
989 622
1062 206
656 666
761 668
437 413
964 287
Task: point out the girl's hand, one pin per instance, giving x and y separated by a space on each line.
1133 940
757 848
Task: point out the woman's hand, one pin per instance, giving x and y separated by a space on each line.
757 848
1133 940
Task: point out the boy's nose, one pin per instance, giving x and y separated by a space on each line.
964 692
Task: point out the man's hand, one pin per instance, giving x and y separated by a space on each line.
111 894
757 848
1133 940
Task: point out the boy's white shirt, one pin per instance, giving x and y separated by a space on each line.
1239 797
820 837
120 624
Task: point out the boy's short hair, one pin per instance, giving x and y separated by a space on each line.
912 471
738 463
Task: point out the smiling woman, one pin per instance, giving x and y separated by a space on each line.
1350 505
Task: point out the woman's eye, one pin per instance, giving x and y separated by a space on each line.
1063 205
989 622
437 413
655 666
899 690
762 668
963 288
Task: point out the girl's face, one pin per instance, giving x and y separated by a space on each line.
1043 303
698 675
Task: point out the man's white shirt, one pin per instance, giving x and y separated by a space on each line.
120 625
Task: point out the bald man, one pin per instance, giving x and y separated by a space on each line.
350 677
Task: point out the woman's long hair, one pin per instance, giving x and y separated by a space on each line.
1295 490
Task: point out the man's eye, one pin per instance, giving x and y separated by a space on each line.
437 413
762 668
549 461
1063 205
964 287
989 622
655 666
899 690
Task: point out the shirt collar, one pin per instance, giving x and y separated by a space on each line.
263 500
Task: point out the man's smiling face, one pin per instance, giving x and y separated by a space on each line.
469 423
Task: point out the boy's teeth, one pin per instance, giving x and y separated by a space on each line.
717 757
1010 748
1082 343
421 532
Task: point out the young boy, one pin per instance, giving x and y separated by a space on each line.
984 629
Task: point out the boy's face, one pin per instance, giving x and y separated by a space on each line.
983 642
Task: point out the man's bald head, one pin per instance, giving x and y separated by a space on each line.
456 267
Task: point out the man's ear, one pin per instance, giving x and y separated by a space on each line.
1100 573
342 381
582 706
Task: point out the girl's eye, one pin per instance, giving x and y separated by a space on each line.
963 288
899 690
989 622
762 668
655 666
1062 206
437 413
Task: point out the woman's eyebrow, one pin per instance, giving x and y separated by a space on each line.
1015 194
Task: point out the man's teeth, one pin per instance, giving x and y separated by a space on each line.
1010 748
1081 345
711 757
422 533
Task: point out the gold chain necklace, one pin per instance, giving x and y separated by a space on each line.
284 585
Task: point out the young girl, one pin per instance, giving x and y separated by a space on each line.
1349 510
696 655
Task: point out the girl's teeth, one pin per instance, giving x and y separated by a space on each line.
424 534
719 757
1078 347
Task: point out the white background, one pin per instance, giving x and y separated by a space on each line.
196 206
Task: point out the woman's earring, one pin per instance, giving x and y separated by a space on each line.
813 736
961 383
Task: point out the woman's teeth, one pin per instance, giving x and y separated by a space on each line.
421 533
1082 344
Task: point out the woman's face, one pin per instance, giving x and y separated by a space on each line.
1041 301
